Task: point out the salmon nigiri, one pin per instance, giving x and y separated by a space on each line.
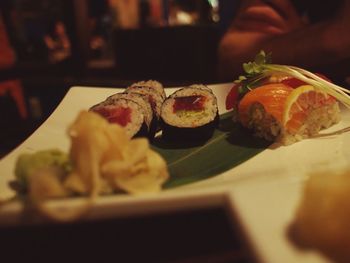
277 112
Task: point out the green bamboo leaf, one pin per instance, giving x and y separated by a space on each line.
230 146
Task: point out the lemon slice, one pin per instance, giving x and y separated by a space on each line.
297 102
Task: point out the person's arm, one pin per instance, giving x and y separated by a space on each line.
269 26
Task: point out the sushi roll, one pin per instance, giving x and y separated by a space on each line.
279 113
142 100
125 112
190 114
154 92
155 85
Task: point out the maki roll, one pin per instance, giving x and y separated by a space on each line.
142 100
190 114
125 112
155 85
154 92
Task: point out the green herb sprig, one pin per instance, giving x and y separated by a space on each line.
261 69
253 73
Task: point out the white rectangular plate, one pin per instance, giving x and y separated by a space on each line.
262 193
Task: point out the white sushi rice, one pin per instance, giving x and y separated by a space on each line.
155 85
267 127
318 119
201 86
148 91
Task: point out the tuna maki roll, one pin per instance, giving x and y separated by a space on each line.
125 112
190 114
155 94
141 99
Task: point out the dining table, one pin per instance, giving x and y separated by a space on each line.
202 234
239 212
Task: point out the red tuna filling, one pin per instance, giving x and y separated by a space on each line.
189 103
119 115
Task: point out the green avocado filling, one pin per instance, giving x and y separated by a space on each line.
192 114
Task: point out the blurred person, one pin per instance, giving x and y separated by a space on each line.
310 34
58 43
